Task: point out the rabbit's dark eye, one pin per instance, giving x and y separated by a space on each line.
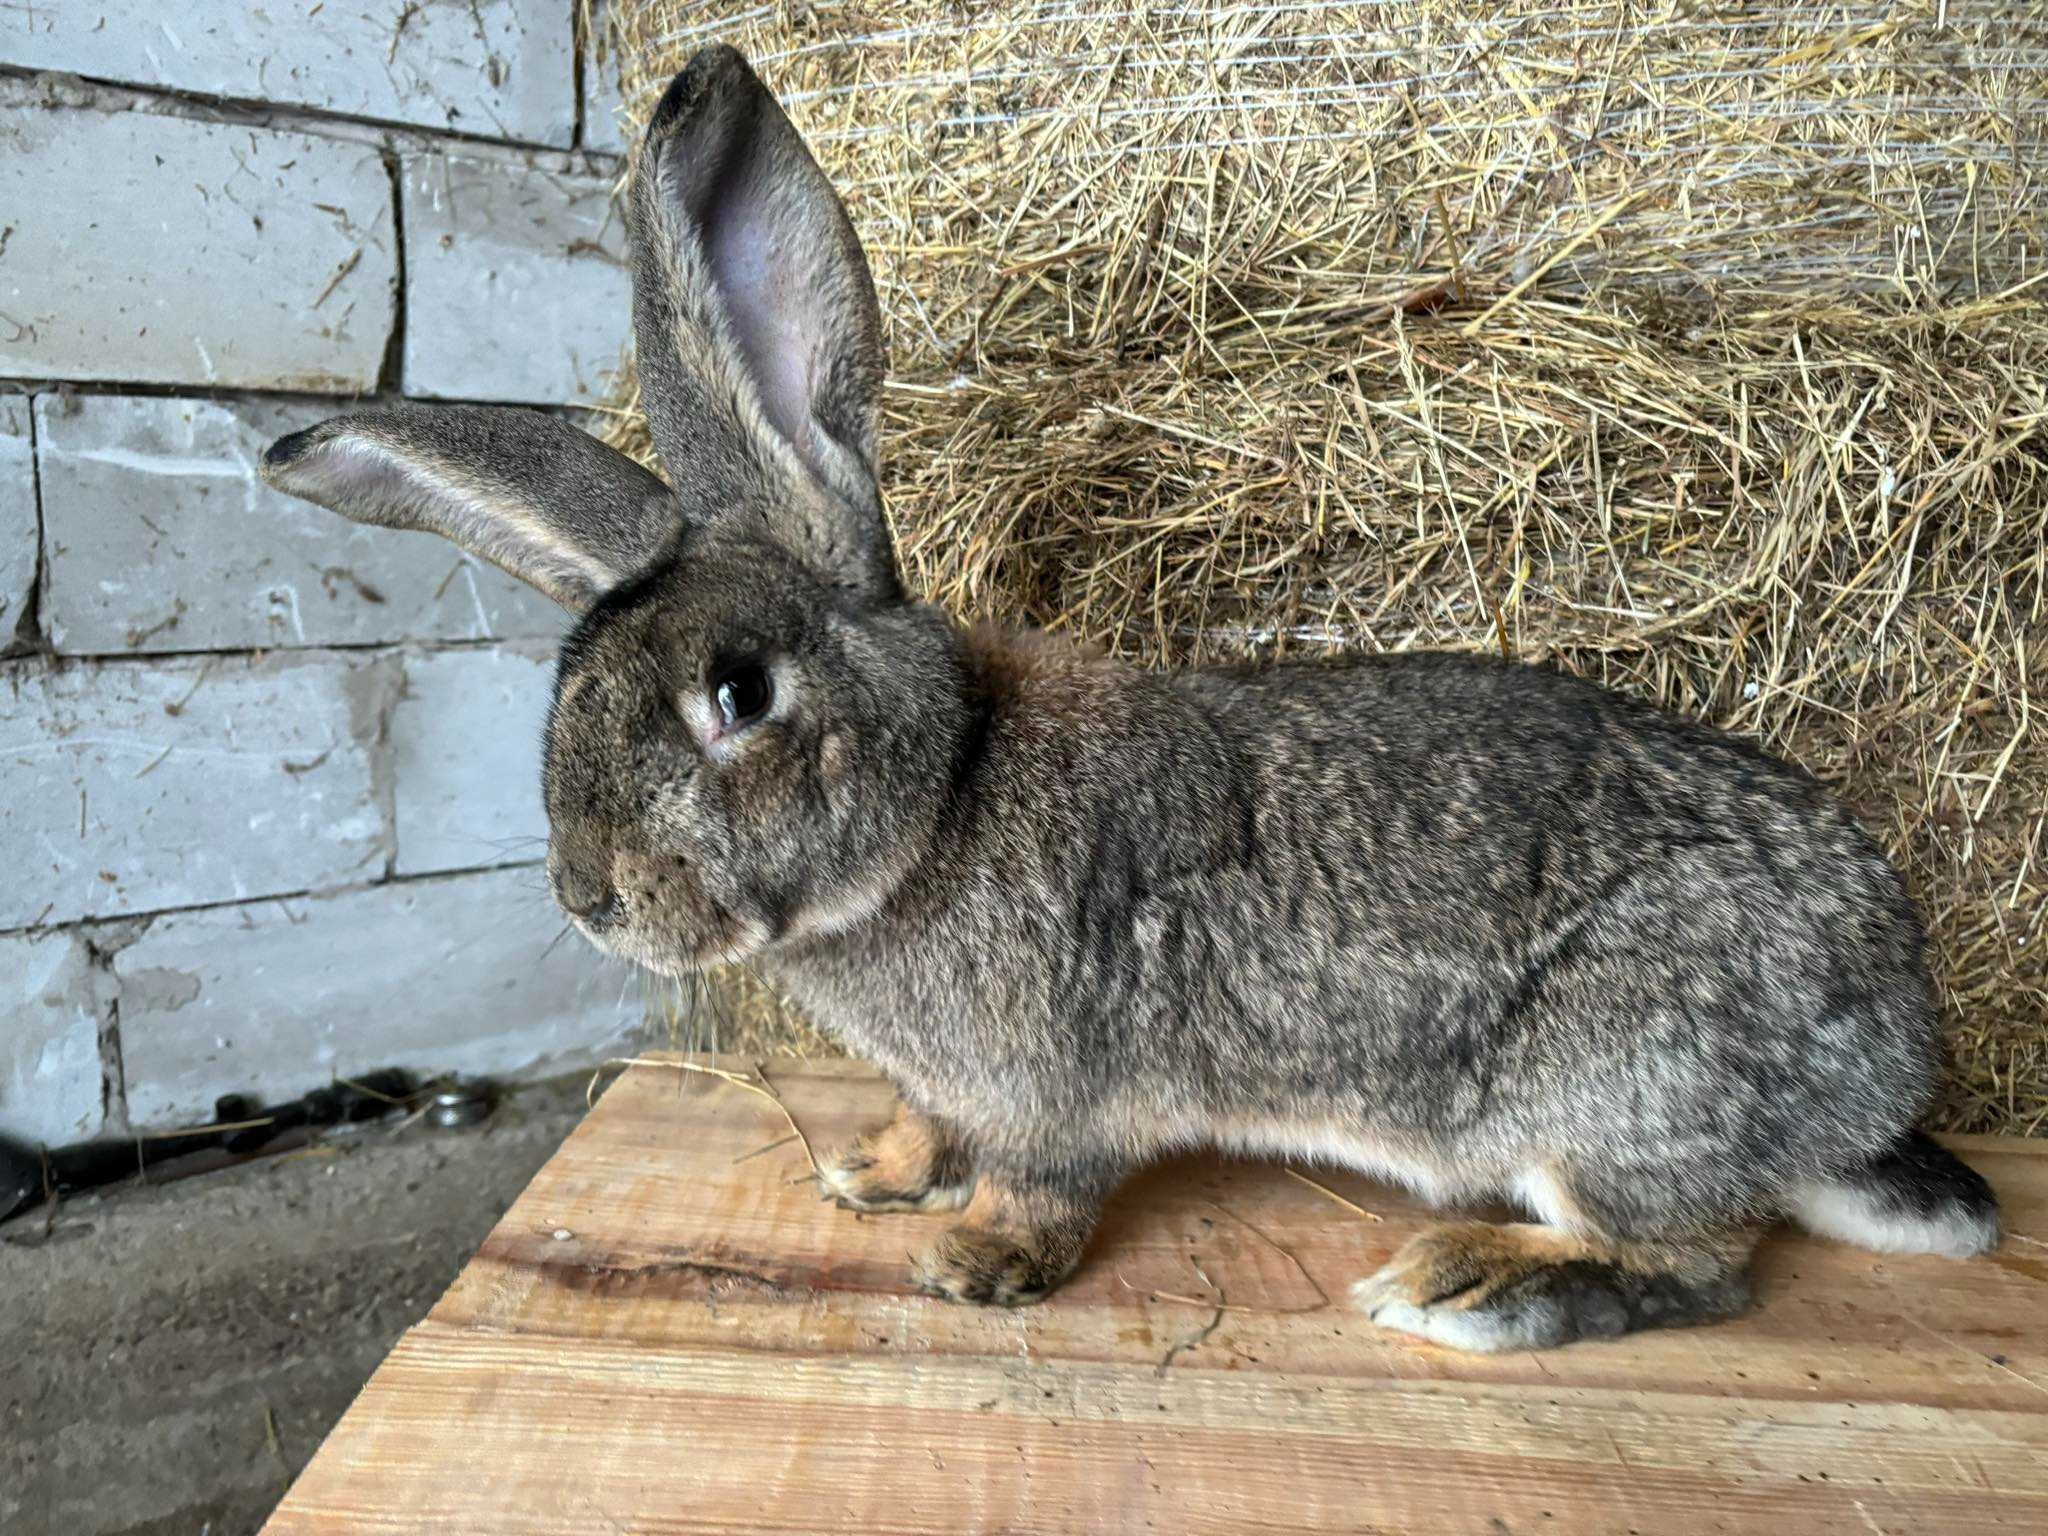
741 694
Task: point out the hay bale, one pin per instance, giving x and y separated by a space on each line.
1696 348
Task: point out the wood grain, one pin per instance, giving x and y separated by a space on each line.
670 1332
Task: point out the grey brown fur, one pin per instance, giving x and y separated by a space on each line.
1480 927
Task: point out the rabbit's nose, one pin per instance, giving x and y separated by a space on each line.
586 896
602 912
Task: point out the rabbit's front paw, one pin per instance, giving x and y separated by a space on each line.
859 1182
976 1264
911 1164
1475 1286
1021 1237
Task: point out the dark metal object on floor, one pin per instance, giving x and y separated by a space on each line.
241 1129
460 1104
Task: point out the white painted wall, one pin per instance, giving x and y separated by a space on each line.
268 781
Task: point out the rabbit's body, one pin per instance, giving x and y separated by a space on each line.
1465 922
1483 928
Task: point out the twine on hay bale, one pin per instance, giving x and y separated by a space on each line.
1698 348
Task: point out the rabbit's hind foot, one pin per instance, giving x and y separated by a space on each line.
1479 1286
914 1163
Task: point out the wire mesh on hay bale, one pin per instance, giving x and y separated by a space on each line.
1696 348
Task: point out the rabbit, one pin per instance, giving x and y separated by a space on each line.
1482 928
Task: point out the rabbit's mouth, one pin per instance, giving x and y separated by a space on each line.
737 940
676 962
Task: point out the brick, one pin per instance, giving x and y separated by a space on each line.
495 68
18 536
50 1011
275 998
164 250
466 758
137 786
161 536
516 282
604 123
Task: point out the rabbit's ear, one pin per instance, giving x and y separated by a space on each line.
759 341
527 492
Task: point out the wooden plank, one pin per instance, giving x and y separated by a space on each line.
670 1332
605 1436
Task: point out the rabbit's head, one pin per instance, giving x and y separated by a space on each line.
752 734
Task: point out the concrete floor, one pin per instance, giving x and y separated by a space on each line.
170 1356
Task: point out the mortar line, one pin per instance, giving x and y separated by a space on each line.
81 925
297 117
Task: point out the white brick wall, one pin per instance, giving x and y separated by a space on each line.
506 266
137 787
495 68
447 974
50 1069
160 250
465 753
17 516
604 126
271 803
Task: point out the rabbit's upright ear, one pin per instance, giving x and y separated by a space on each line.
759 341
527 492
